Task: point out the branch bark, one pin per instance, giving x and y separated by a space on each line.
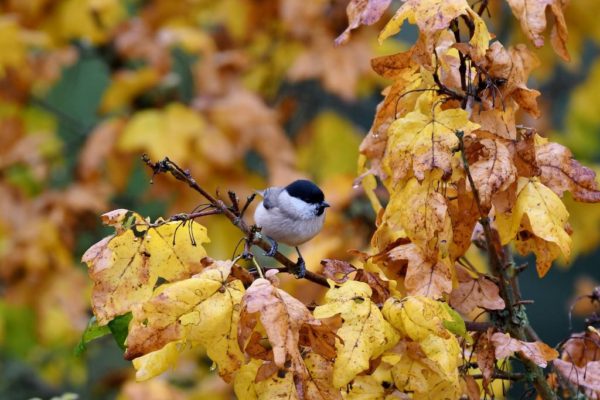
235 217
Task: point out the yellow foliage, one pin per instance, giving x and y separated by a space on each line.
365 333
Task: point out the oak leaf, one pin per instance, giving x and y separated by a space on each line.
202 310
472 293
126 266
337 270
364 332
538 352
540 211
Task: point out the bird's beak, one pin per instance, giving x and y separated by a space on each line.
261 193
325 204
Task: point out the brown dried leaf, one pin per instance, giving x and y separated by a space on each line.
561 172
472 388
337 270
472 293
423 277
582 348
587 377
532 16
538 352
492 169
380 287
464 215
484 350
282 316
362 12
320 375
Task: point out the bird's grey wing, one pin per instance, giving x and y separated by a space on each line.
270 197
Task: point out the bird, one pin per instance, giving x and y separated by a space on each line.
292 215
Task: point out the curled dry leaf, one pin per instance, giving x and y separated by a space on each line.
282 317
380 287
365 333
582 348
475 292
586 377
532 16
337 270
486 359
423 277
560 172
362 12
126 266
538 352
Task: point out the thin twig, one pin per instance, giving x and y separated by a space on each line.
168 166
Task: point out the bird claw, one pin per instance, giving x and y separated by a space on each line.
300 268
273 251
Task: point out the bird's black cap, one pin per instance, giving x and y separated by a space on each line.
305 190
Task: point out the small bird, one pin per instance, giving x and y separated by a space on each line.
291 215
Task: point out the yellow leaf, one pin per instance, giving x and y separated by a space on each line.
365 333
546 218
424 139
421 211
430 15
126 266
85 19
125 86
422 320
157 362
203 310
273 387
170 132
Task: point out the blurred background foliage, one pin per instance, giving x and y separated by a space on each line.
243 93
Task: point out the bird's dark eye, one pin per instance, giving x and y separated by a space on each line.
320 209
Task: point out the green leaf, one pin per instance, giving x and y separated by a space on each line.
92 331
119 328
456 325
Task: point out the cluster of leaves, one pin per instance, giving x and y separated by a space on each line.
458 170
201 82
80 101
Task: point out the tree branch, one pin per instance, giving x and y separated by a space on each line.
233 214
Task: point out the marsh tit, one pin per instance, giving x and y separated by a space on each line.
291 215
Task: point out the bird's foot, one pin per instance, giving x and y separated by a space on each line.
300 268
273 251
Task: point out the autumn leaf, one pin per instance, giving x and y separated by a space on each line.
282 317
532 16
175 130
537 210
538 352
431 16
273 387
337 270
202 310
421 212
561 172
492 169
319 382
362 12
486 357
423 277
424 139
587 377
471 293
156 362
422 320
365 334
126 266
582 348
